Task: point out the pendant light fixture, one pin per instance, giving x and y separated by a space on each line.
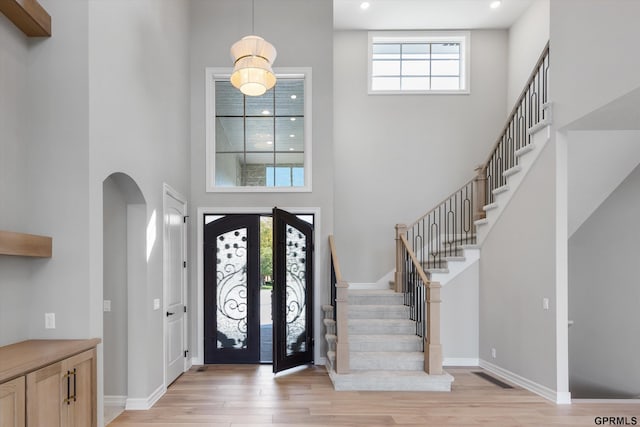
252 59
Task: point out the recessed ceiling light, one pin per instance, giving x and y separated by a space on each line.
365 5
266 112
291 149
269 142
292 136
293 96
293 119
495 4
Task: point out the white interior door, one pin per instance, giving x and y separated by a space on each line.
175 271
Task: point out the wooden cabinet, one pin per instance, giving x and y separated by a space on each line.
12 400
56 386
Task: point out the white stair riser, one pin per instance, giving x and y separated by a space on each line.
390 362
378 312
388 299
362 326
388 345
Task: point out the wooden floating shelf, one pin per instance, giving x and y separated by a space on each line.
29 16
20 244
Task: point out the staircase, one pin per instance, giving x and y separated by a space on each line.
389 339
385 352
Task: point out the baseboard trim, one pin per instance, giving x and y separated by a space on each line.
196 361
142 404
607 401
320 361
115 401
460 361
562 398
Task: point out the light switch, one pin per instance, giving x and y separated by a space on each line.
49 320
545 303
106 305
156 304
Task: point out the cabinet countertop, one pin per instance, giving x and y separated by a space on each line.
27 356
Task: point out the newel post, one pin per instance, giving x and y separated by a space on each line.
480 192
401 229
342 326
432 346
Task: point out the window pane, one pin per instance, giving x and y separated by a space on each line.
298 176
283 176
385 83
415 68
259 133
289 95
415 51
229 134
386 51
445 83
229 100
445 68
228 170
260 105
445 51
255 170
289 134
415 83
385 68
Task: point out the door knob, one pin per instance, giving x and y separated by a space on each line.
170 313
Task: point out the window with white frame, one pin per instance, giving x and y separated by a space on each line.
419 62
259 143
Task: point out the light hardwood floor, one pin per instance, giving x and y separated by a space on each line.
249 395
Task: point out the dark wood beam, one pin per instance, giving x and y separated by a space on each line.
28 15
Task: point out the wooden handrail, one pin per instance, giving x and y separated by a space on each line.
334 258
438 204
414 260
511 115
341 307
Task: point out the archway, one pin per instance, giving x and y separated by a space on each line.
124 279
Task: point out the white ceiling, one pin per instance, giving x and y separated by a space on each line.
426 14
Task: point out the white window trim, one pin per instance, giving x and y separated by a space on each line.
211 74
464 37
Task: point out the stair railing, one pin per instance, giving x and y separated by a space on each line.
530 110
426 243
423 299
340 302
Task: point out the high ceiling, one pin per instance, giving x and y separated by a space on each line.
426 14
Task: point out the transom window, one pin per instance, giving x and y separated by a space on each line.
418 62
258 143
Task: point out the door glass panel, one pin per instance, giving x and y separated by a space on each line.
296 254
231 289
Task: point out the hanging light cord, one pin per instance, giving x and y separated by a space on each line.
253 16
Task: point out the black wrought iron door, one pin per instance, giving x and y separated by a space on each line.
231 290
292 290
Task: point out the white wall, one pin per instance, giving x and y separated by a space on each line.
592 54
459 317
115 335
14 271
518 270
139 125
527 37
604 296
598 162
396 156
302 34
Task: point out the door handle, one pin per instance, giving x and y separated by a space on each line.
169 313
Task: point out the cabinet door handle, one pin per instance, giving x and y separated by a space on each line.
67 400
75 390
169 313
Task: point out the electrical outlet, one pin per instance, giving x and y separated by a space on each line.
493 353
106 305
545 303
49 320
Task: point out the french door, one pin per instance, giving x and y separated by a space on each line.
293 290
232 290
